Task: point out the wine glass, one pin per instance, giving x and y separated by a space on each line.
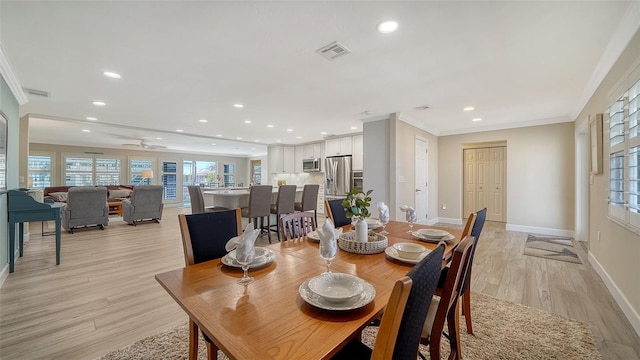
411 219
328 254
245 259
384 220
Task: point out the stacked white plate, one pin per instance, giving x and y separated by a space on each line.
313 235
371 223
433 235
337 291
263 256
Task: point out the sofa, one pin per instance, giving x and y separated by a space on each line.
145 203
86 206
114 192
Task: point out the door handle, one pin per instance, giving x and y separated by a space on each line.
417 190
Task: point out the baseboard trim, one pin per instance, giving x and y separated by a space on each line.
618 296
4 274
449 221
540 230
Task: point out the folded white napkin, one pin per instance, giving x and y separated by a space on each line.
244 244
411 213
383 212
328 244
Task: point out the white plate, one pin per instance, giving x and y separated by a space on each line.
336 287
313 235
367 296
421 237
371 223
433 233
267 258
259 253
392 253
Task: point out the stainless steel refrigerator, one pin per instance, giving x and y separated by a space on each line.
337 172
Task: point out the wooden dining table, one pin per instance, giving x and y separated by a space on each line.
268 319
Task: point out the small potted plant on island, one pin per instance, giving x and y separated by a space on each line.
356 206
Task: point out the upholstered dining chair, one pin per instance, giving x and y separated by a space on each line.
399 333
336 212
296 225
204 237
197 201
309 200
284 205
259 206
476 230
444 307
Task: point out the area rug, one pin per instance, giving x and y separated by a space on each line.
502 330
551 247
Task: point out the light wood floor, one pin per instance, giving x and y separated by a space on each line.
103 295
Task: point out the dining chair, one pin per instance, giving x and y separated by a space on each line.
336 212
481 216
309 200
259 206
204 237
296 225
197 201
399 333
444 307
284 205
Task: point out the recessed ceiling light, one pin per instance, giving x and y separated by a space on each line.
278 141
468 108
111 75
354 128
91 118
218 135
203 121
476 119
387 27
298 137
289 130
180 130
323 133
238 138
214 144
269 126
158 138
85 130
99 103
239 106
247 121
256 140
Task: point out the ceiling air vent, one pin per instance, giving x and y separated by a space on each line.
333 50
36 92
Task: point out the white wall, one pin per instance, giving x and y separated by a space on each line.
376 165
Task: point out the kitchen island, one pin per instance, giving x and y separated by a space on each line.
238 198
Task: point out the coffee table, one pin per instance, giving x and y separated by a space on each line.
115 207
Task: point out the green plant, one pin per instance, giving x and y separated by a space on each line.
357 203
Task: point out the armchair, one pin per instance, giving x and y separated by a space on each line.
86 205
145 203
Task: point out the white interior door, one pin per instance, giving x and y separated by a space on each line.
421 195
497 198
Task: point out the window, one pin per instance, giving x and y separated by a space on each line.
624 156
228 177
203 173
40 170
91 170
136 167
168 179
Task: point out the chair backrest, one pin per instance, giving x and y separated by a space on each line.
469 225
391 319
205 235
197 199
146 197
296 225
425 277
87 201
310 197
336 212
475 232
260 200
286 199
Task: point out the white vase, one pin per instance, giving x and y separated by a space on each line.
361 230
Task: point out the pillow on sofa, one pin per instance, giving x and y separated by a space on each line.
120 193
59 196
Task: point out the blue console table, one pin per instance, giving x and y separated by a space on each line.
23 208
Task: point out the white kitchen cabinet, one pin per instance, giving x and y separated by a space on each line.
281 159
312 151
299 156
289 159
339 146
357 156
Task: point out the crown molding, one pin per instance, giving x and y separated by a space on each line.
507 126
627 28
413 122
10 78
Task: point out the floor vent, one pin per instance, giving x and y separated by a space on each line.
36 92
333 50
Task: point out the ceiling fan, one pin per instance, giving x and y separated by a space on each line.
145 145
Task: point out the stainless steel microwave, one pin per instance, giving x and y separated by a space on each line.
311 165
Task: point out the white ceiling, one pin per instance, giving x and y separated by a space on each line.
518 63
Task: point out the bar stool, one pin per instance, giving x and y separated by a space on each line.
197 201
284 205
259 206
309 200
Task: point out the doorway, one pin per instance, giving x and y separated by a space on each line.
484 185
582 185
421 194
